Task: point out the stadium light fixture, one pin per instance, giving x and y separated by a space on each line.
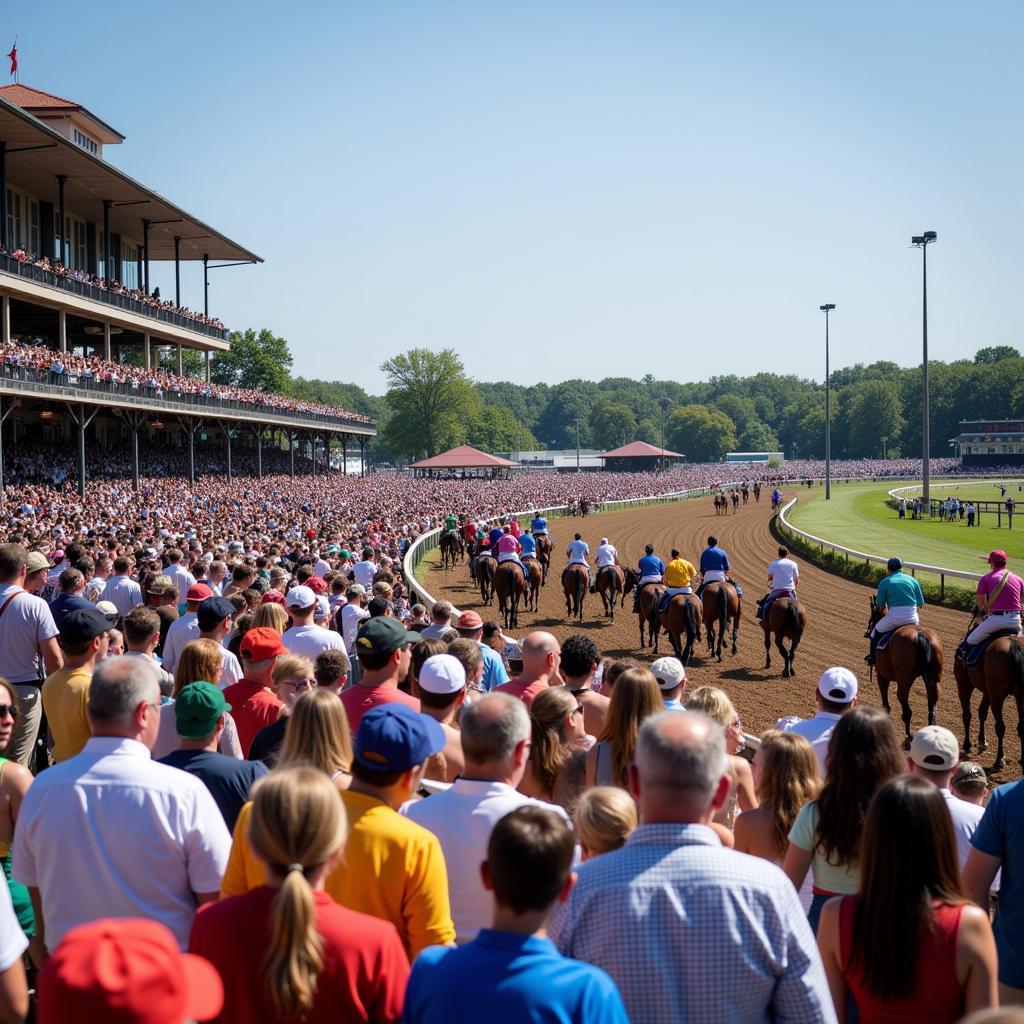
826 309
922 242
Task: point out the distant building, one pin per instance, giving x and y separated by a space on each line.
990 442
639 457
464 463
756 458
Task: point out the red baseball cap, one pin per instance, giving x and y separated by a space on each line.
272 597
997 558
470 620
128 970
198 592
317 584
262 643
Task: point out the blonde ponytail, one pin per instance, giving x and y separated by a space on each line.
297 823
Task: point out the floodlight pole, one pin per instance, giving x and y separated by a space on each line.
922 242
826 309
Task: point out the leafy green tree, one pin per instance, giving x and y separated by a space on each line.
872 409
758 437
996 354
493 428
262 361
429 396
611 424
700 433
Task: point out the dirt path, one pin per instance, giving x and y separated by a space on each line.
837 612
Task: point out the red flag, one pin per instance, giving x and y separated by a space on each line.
13 55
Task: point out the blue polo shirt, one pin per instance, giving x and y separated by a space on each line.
1000 833
494 668
540 524
528 545
713 558
652 565
899 591
509 979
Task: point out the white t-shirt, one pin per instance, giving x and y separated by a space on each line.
321 568
182 631
181 578
351 616
230 669
25 625
578 551
364 573
123 592
965 820
606 555
12 939
311 641
817 730
784 573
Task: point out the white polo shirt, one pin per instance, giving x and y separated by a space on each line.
25 625
181 578
606 555
364 573
351 616
311 641
113 833
817 730
784 573
965 818
182 631
123 593
462 818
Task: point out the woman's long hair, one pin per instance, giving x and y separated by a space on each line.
200 661
298 823
787 778
863 754
318 734
270 616
548 752
908 862
636 696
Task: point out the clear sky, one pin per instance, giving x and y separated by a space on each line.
562 189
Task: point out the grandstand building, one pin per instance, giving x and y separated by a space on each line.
77 240
990 442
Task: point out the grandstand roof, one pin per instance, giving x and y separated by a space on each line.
44 104
639 450
464 457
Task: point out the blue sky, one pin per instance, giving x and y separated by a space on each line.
562 189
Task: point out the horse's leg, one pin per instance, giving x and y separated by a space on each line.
983 709
903 695
735 632
640 619
883 690
767 649
965 711
997 712
785 655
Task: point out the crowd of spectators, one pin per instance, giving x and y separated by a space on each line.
37 362
153 300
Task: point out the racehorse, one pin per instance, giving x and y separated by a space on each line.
534 578
757 493
721 504
584 507
999 675
610 584
721 603
913 651
485 566
787 619
452 549
509 585
746 495
735 502
544 556
575 583
650 595
681 616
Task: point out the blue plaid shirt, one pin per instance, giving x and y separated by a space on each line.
693 932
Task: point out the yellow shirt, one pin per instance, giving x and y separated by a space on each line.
678 573
392 869
65 701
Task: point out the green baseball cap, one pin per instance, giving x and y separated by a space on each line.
382 635
197 708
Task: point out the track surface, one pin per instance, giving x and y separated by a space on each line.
837 612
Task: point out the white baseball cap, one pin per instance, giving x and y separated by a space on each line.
323 606
935 749
669 672
838 684
300 597
442 674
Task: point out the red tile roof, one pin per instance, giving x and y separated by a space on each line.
639 450
35 99
463 457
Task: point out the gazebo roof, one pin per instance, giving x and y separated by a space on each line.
639 450
464 457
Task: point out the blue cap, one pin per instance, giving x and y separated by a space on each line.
394 738
894 563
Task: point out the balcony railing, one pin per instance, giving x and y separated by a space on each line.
39 275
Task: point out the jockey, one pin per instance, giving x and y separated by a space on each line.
679 574
652 570
776 496
606 554
999 597
508 549
901 596
783 576
714 567
493 536
451 524
514 527
527 545
579 553
469 530
539 525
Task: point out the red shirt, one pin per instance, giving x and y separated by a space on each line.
252 707
525 691
359 699
515 529
365 967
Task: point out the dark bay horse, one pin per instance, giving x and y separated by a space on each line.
721 603
544 556
575 583
509 585
786 620
1000 674
610 584
534 579
650 595
452 549
485 566
682 617
913 651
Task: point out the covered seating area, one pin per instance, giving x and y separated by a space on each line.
464 463
639 457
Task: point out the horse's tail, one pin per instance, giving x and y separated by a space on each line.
723 610
581 589
927 662
791 623
1017 663
692 629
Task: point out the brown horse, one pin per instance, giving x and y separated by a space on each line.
509 585
544 556
575 584
721 603
534 579
610 584
1000 674
682 616
648 600
452 549
485 566
787 620
913 651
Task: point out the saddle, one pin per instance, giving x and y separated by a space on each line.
972 654
763 607
884 639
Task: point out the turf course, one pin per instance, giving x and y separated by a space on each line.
857 516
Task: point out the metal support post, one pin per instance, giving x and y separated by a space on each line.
227 436
362 456
4 413
106 342
147 356
312 451
344 454
207 355
258 431
108 259
181 372
291 452
62 329
82 419
145 256
327 454
206 284
61 181
177 271
5 316
4 240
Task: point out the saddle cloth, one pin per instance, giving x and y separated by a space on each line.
972 655
763 608
885 639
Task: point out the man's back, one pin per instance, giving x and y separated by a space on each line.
227 778
358 699
181 632
26 623
252 706
691 931
123 592
66 701
310 641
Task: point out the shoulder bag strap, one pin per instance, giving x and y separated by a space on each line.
10 598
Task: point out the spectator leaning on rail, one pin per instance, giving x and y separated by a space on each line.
687 929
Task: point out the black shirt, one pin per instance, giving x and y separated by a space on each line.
228 779
266 744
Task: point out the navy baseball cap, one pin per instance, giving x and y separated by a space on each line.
212 611
394 738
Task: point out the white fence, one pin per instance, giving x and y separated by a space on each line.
786 527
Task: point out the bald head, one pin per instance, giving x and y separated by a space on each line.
680 762
491 729
541 654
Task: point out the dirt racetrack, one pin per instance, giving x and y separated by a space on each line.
837 612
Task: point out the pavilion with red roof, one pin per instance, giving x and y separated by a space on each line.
638 457
463 463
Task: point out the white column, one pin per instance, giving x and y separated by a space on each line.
146 358
106 342
207 366
180 350
5 316
62 329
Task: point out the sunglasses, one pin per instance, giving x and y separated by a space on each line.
8 710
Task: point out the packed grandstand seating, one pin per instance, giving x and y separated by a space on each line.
32 362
